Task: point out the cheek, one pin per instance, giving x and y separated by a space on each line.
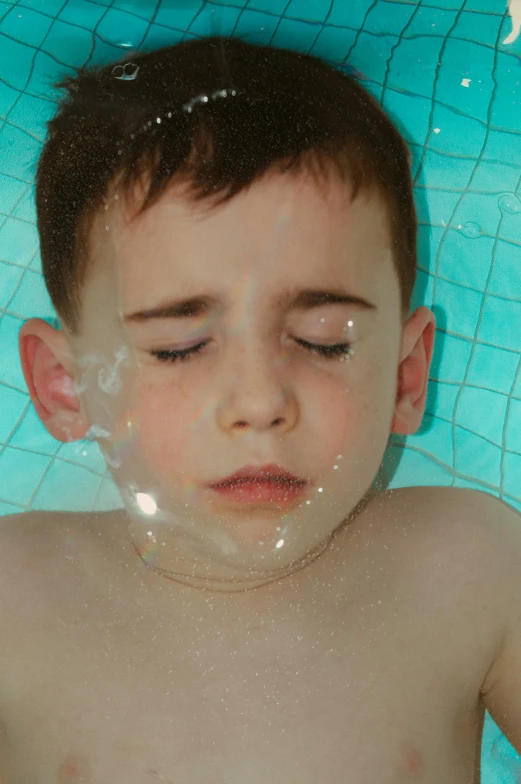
354 418
169 421
340 421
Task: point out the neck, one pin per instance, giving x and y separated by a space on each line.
191 569
229 584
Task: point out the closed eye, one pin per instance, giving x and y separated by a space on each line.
185 355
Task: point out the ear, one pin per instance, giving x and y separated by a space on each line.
413 372
47 365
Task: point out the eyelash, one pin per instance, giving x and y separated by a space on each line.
184 355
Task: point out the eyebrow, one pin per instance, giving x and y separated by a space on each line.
301 300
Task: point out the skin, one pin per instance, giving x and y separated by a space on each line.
252 395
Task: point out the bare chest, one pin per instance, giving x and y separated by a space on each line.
363 690
371 673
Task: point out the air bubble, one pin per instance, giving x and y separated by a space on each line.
127 72
471 229
510 204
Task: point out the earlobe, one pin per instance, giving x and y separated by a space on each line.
417 351
44 357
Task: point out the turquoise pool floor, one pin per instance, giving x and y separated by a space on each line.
449 72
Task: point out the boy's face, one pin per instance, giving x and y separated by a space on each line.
253 394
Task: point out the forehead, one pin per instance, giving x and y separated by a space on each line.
278 228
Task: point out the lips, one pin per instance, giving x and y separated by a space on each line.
266 473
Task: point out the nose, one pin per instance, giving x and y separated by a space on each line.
258 395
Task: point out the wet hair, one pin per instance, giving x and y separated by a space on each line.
163 119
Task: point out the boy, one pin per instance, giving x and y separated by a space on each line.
228 235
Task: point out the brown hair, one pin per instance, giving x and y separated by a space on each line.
288 111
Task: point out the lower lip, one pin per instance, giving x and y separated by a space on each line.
262 491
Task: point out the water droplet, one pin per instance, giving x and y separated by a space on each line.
471 229
510 203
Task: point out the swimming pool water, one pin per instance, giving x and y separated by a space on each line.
449 72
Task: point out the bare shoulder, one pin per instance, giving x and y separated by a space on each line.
459 544
22 533
470 532
459 519
42 528
451 542
39 544
34 529
476 520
